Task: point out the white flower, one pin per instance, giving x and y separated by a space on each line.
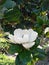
46 30
25 37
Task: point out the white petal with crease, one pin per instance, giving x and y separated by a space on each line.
28 45
32 35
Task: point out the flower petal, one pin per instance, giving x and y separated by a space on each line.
18 32
18 39
18 35
32 35
21 36
28 45
25 37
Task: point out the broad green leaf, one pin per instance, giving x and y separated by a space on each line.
13 48
13 15
23 58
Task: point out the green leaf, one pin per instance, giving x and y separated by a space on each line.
13 15
40 56
13 48
39 30
39 20
18 61
23 58
8 4
38 53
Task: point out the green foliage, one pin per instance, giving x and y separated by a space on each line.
13 15
26 56
6 5
39 53
13 48
3 43
23 58
9 4
45 5
4 60
24 14
2 2
41 20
